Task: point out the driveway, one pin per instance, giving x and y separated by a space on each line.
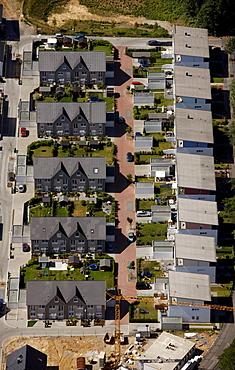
124 190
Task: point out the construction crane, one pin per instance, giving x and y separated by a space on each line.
158 305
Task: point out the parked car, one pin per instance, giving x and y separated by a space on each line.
77 37
23 132
58 35
11 176
25 247
154 43
120 119
131 237
93 99
110 247
137 83
138 134
143 213
142 285
129 157
168 73
21 188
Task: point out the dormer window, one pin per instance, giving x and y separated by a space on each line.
96 170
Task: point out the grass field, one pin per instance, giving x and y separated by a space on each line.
146 233
150 313
34 273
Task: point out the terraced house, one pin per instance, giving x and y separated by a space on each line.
64 67
68 234
71 119
69 174
66 299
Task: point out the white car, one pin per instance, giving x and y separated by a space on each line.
21 188
131 237
143 213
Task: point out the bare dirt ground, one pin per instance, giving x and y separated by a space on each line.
73 10
63 351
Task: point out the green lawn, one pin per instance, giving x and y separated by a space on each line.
162 192
145 204
43 151
40 211
161 101
79 210
147 306
75 151
146 233
103 47
144 179
150 265
222 291
34 273
43 211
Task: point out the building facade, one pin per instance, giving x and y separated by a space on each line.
65 67
76 174
58 300
68 234
71 119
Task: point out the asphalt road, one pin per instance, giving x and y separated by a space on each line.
224 339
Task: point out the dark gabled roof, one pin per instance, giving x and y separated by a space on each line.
43 228
89 292
48 112
47 167
26 358
94 61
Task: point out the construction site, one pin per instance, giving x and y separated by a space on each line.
63 352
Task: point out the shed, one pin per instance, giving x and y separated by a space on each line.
45 90
161 213
105 264
143 144
44 262
156 80
63 200
74 261
144 190
144 98
46 200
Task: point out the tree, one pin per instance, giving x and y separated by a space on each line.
230 46
229 207
129 176
231 133
226 360
129 220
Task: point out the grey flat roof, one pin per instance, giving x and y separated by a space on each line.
43 228
168 346
195 171
191 41
189 286
197 211
95 61
194 125
48 112
196 247
192 82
